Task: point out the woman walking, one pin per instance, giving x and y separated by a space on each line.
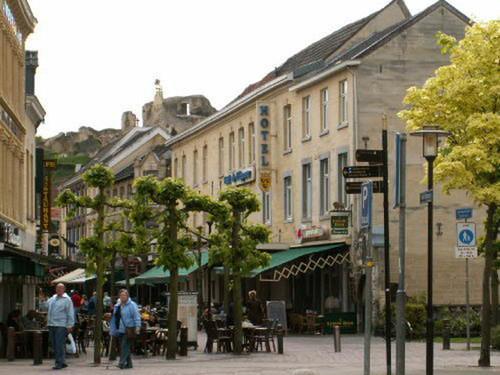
125 325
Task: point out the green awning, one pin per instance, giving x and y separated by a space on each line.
159 275
283 257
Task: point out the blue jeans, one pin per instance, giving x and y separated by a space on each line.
58 341
125 356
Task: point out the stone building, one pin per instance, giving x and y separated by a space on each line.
136 151
288 137
20 115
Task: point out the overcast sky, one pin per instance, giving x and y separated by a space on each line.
99 58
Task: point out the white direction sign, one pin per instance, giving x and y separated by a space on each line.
466 241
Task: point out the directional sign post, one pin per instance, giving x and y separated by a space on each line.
426 197
362 171
372 156
463 213
354 187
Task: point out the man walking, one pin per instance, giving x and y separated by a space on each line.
125 324
60 320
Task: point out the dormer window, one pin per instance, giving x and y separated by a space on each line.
185 110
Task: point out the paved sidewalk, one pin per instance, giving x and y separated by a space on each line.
301 352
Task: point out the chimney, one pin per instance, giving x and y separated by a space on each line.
31 59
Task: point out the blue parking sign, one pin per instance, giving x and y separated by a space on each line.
366 204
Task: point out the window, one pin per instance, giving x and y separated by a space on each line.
176 168
185 110
266 207
306 117
205 163
232 151
195 167
342 195
324 187
324 110
306 191
251 140
221 156
241 147
287 186
183 167
343 102
287 127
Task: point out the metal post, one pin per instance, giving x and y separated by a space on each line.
368 303
467 301
401 293
387 263
37 348
336 339
430 319
279 337
184 342
11 344
446 334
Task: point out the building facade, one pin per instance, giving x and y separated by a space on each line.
288 137
20 115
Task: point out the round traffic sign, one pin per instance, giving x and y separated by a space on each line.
466 236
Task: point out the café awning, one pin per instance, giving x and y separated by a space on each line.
294 261
159 275
70 277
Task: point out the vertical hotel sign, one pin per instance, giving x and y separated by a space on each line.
264 139
46 193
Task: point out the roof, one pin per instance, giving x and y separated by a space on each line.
318 51
160 275
125 173
376 40
282 257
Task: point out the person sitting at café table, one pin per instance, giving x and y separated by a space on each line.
29 321
14 320
255 310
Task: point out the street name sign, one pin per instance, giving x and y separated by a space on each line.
372 156
354 187
426 196
463 213
366 204
361 171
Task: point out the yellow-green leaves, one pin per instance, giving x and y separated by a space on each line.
464 99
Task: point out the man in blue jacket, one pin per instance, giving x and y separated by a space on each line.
125 315
60 320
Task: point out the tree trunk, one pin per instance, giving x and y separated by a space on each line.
126 271
227 290
484 359
238 315
172 314
494 298
237 301
99 309
112 276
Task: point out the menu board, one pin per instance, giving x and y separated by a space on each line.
276 310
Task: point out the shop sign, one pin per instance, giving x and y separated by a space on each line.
265 180
50 164
346 321
240 177
339 221
45 220
311 233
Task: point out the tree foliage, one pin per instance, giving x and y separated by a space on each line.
235 244
464 99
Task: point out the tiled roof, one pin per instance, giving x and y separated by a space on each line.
125 173
130 142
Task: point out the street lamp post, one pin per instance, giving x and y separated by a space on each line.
430 136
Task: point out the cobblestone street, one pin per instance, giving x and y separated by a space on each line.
301 352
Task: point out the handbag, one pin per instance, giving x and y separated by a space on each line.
129 331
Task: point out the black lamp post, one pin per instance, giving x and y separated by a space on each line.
430 136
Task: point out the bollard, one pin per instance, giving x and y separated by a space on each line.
279 337
446 334
37 348
11 344
336 339
112 349
183 351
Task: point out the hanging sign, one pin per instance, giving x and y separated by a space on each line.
339 221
